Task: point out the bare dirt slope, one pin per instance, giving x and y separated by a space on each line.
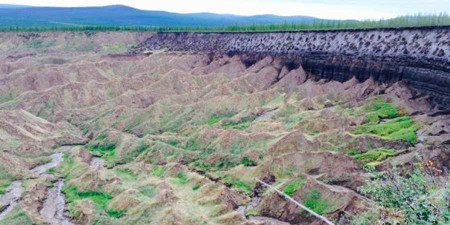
179 138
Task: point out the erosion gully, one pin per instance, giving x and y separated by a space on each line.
243 209
54 206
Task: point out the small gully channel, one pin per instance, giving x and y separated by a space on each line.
54 205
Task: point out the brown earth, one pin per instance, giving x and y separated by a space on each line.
186 134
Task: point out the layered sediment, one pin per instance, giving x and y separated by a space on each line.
419 56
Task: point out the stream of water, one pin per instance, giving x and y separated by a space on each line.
54 205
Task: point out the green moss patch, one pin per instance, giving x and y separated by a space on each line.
293 187
316 203
397 127
373 156
238 184
401 128
137 150
181 178
17 216
106 151
5 179
380 109
214 120
158 171
148 191
69 168
100 199
126 174
242 124
248 162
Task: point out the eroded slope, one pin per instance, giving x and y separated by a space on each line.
179 138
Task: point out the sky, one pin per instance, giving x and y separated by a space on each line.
327 9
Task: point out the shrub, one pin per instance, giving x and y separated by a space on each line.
413 194
366 218
293 187
248 162
182 178
116 213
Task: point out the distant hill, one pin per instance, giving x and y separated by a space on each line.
119 15
9 6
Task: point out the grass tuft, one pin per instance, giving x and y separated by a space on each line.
315 202
293 187
373 156
158 171
401 128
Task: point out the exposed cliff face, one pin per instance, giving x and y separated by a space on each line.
418 56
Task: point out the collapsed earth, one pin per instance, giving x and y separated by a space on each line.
176 128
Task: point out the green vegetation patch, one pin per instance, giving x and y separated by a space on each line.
5 179
181 178
126 174
115 48
291 116
380 109
316 203
214 120
396 126
374 156
238 184
412 194
293 187
136 151
158 171
106 151
242 124
69 168
148 191
16 216
36 43
248 162
220 165
100 199
401 128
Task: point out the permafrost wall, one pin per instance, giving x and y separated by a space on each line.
418 56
